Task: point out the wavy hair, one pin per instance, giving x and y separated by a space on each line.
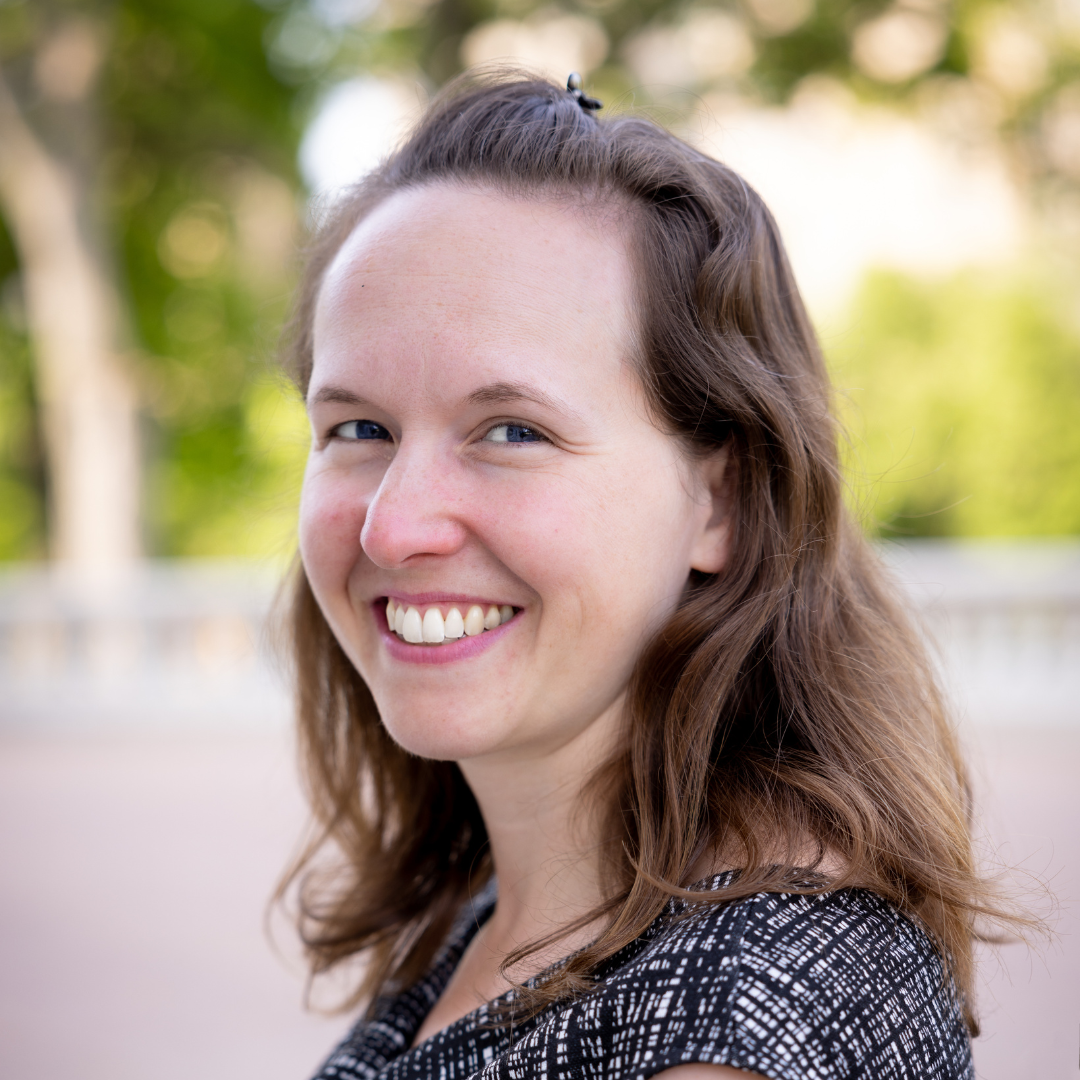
789 700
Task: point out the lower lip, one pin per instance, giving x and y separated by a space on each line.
447 653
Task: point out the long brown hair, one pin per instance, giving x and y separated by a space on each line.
788 697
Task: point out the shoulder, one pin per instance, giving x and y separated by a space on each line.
831 984
850 942
788 986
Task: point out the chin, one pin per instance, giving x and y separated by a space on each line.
438 737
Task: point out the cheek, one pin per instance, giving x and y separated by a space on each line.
331 518
644 538
608 549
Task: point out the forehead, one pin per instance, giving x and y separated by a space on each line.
443 273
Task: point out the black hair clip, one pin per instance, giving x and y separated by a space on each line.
573 87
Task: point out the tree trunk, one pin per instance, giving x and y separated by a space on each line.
87 398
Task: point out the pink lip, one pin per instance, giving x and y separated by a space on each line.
447 653
420 599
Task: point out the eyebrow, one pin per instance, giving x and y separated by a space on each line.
502 393
338 395
499 393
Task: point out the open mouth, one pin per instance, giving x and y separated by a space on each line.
437 624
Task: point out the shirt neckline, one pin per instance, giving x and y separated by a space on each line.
474 914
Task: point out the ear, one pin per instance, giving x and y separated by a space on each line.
715 475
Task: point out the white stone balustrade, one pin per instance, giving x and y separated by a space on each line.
1005 617
173 645
164 645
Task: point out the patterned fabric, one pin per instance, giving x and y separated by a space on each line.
793 987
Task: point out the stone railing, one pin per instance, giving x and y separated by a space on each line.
1005 618
161 646
172 646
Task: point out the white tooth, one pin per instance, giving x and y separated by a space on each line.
433 626
412 629
455 626
506 613
399 620
390 606
492 618
474 620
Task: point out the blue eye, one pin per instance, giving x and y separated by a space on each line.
516 433
361 429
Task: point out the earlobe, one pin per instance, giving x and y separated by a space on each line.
716 477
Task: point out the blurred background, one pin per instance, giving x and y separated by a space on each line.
160 163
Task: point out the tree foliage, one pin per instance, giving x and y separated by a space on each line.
961 398
187 147
190 164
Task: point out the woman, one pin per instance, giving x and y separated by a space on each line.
633 763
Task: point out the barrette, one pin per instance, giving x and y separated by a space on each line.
573 87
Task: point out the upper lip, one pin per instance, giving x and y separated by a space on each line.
418 600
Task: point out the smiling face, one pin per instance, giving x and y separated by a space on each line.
481 441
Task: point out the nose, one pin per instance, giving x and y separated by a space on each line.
416 511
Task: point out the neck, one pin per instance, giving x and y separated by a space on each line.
544 837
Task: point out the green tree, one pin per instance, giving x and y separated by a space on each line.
176 124
962 398
177 143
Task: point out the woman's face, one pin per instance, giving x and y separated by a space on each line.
481 441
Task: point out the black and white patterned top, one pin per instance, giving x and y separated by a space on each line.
795 987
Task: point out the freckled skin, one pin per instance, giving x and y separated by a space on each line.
592 532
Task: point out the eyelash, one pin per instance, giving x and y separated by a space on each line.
338 431
377 433
510 425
